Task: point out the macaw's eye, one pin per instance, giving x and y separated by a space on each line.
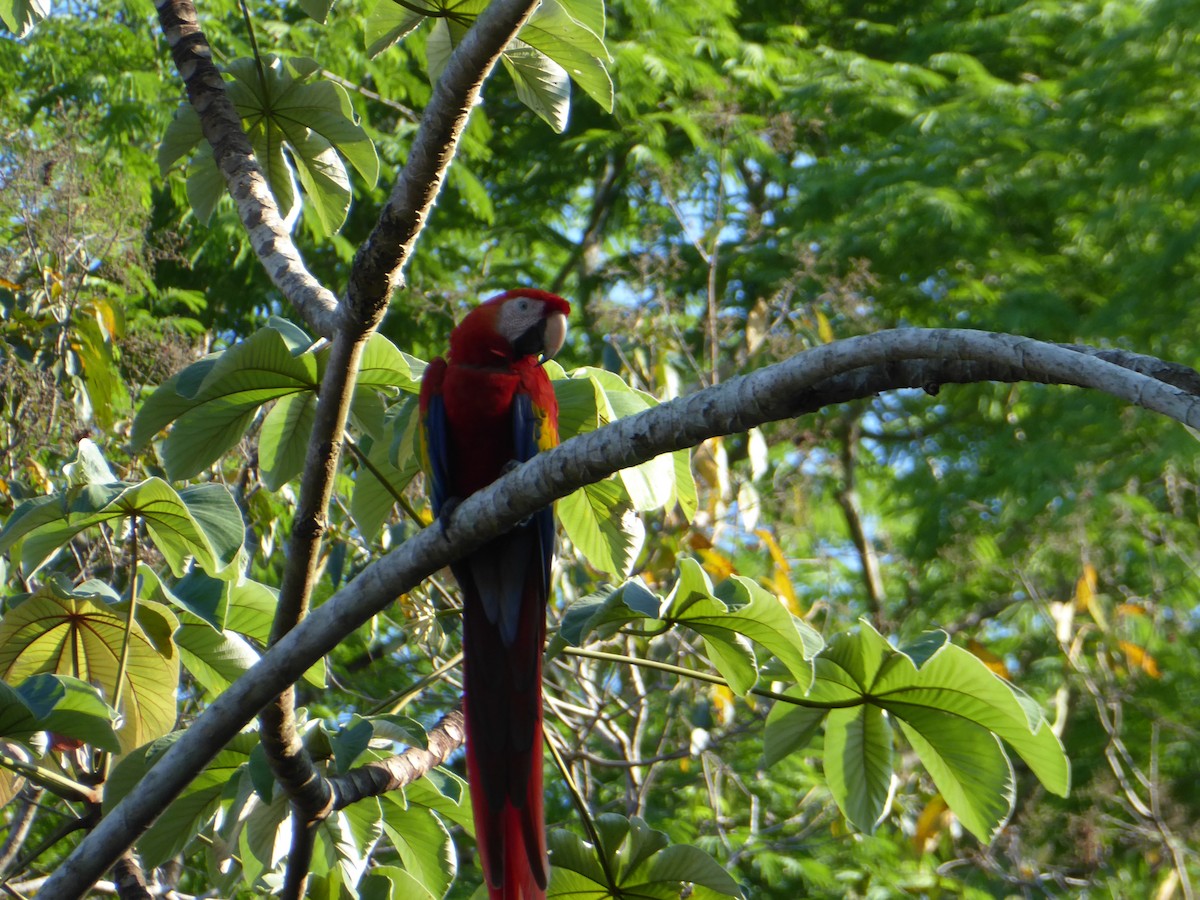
523 304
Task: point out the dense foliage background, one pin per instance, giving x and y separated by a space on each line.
772 176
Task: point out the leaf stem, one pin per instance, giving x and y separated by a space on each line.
55 782
399 700
709 679
123 663
585 815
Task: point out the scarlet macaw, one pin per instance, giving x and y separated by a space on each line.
487 406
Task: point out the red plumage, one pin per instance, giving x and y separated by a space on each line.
489 404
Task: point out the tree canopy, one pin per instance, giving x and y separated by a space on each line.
899 611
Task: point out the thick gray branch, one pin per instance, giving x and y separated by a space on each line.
857 367
378 263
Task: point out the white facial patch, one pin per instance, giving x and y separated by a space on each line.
517 316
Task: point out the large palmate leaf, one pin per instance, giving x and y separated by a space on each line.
212 402
68 632
952 709
642 861
562 41
302 127
725 627
201 522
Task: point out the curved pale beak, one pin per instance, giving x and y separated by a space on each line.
554 335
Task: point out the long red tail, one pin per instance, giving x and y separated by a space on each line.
502 672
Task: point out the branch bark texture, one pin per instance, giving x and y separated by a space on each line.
857 367
379 261
222 126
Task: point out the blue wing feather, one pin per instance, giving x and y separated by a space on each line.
436 445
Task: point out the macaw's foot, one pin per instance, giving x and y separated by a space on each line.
449 505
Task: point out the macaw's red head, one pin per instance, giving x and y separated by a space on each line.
516 324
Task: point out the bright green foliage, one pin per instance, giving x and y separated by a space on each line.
78 634
59 704
734 182
639 861
299 127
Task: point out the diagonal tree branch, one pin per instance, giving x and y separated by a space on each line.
379 261
308 791
381 776
311 795
857 367
256 206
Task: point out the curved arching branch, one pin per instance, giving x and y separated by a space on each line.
856 367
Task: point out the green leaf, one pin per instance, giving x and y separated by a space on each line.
641 859
387 23
301 126
790 727
758 616
444 793
602 525
392 883
966 762
201 523
59 704
317 9
192 811
383 365
212 402
88 466
685 484
283 440
215 659
19 16
422 841
373 500
608 612
345 841
858 763
206 186
182 134
574 46
64 632
542 84
955 681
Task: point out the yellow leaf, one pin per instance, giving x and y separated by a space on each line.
685 764
1137 658
10 285
105 315
722 699
929 823
824 329
1130 609
40 476
780 582
781 586
717 564
988 658
1087 598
